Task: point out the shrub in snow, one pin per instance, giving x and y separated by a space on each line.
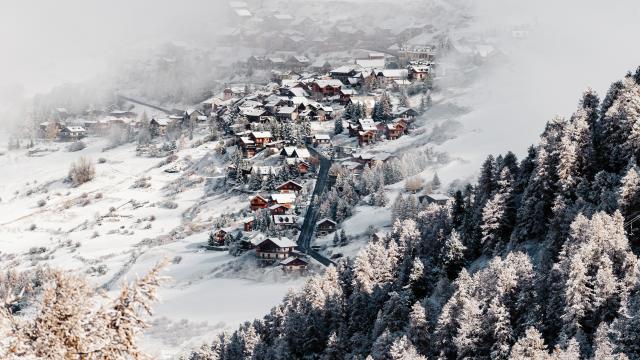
42 202
142 182
76 146
37 250
81 171
32 227
102 160
168 204
98 195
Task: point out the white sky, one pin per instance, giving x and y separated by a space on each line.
574 44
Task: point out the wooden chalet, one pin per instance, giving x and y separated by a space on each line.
158 126
346 94
343 73
419 72
367 137
258 202
72 133
325 226
294 263
247 224
287 113
279 209
248 146
261 138
220 234
295 153
289 187
321 139
275 248
439 199
326 88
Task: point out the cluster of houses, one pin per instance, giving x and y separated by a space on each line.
65 126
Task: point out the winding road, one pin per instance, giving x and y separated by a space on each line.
311 217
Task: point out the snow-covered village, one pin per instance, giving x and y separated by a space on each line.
305 179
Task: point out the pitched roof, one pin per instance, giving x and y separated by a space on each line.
289 182
326 220
286 198
280 242
438 197
329 82
291 259
286 110
262 134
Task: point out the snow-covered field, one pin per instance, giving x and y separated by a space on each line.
113 232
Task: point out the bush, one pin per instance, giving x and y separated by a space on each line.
102 160
168 204
81 171
98 195
37 250
42 202
142 182
76 146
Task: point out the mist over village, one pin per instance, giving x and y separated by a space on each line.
319 179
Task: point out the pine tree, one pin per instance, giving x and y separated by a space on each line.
501 331
435 182
578 298
344 240
453 255
338 127
418 328
629 193
531 346
498 215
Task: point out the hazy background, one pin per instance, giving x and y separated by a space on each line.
572 44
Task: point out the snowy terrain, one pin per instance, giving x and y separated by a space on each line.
66 233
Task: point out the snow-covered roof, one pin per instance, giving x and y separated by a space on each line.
252 112
297 100
344 69
75 128
326 220
262 134
246 140
438 197
291 259
298 92
191 111
329 82
348 91
289 182
280 242
301 59
286 110
302 153
367 124
322 137
285 198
